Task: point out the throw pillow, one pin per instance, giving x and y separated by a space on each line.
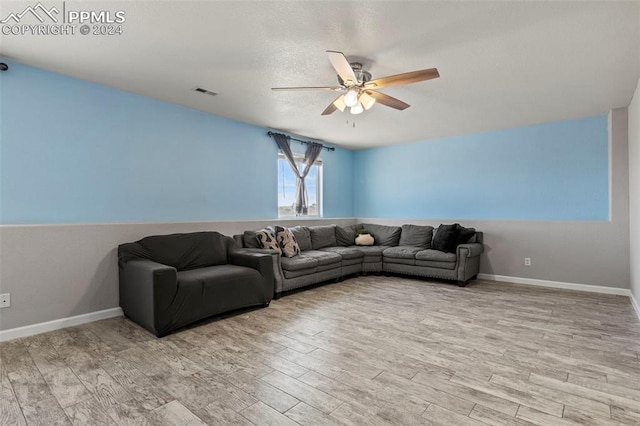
445 238
287 242
365 240
268 239
464 234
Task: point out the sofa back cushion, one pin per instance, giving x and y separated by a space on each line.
250 240
182 251
323 236
302 236
416 236
346 235
384 235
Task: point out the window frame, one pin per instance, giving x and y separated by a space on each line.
299 158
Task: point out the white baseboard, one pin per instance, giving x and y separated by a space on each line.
567 286
556 284
635 304
43 327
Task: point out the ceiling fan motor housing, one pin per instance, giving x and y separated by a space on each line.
361 75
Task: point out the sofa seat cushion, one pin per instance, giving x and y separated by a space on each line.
347 253
298 263
213 275
435 264
351 262
300 273
211 290
436 256
324 257
350 255
371 253
402 252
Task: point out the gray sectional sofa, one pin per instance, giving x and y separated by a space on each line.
328 252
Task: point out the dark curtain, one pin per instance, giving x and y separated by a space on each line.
311 155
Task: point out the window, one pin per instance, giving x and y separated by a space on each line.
287 187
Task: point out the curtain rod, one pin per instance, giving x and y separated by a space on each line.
328 148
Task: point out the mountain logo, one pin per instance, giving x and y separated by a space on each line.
39 11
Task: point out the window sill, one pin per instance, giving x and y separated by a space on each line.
307 217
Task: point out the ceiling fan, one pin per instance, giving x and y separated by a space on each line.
357 88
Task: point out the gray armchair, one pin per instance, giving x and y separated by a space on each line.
169 281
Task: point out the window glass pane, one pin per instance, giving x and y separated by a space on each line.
287 188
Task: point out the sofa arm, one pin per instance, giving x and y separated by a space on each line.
262 262
146 291
470 250
468 264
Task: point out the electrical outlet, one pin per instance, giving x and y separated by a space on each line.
527 261
5 300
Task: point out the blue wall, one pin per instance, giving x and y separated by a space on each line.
553 171
77 152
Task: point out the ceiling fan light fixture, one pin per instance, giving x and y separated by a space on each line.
351 98
356 109
339 103
367 101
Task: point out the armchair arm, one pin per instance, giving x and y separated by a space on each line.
146 291
262 262
277 275
255 250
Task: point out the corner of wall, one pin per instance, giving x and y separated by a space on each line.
634 194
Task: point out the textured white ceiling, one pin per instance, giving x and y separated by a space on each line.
502 64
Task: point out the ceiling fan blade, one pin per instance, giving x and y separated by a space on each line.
387 100
330 109
334 88
401 79
342 67
338 104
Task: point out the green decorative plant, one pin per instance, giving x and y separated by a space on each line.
361 231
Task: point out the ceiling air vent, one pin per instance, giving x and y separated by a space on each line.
205 91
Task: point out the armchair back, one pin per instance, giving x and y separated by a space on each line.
182 251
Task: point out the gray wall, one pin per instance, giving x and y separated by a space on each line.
594 253
58 271
634 192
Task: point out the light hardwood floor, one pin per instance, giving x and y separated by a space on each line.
370 350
